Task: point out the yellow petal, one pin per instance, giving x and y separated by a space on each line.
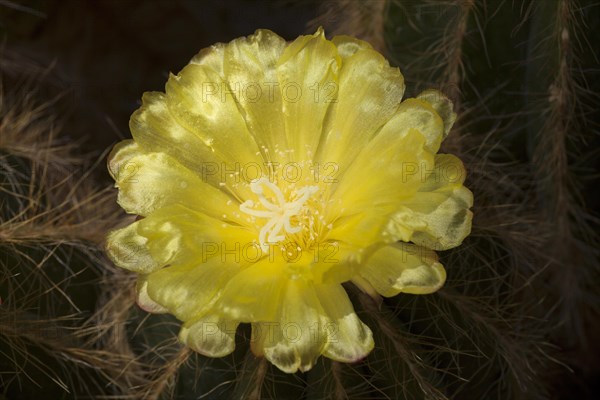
210 336
119 166
361 230
189 290
255 293
420 115
332 262
348 338
177 234
327 262
348 45
296 339
212 118
438 216
144 300
403 267
443 106
250 71
307 67
370 92
382 175
129 250
150 181
164 125
155 130
448 170
390 168
211 57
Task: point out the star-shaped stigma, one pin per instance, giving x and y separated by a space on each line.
278 215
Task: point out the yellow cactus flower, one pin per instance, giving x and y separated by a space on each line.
268 174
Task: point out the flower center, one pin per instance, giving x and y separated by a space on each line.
277 215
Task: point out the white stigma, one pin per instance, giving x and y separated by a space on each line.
278 215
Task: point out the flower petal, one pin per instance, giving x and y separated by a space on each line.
348 338
382 174
189 290
332 262
390 168
199 100
255 293
155 130
211 57
443 106
250 71
403 267
361 230
144 300
150 181
370 92
438 216
165 125
307 66
179 235
128 249
348 45
296 339
210 335
421 115
118 159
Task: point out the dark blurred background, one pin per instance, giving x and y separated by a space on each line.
103 54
